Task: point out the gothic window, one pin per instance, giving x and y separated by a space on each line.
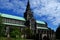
32 24
13 21
7 20
21 22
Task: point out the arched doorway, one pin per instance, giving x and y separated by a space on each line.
45 38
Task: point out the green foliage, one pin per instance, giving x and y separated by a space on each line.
1 22
2 26
15 32
5 38
28 32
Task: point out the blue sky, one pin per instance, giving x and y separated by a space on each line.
44 10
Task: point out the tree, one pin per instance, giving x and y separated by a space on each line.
28 33
15 32
58 32
1 26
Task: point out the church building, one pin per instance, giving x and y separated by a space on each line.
41 29
38 28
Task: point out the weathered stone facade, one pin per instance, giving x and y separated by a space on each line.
39 28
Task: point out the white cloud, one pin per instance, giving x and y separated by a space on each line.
34 3
51 9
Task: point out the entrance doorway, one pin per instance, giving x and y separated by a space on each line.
45 38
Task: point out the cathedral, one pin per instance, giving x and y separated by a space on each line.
31 28
39 30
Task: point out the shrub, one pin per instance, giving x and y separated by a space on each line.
15 32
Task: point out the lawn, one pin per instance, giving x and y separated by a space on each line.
4 38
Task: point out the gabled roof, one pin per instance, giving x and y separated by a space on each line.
42 22
12 17
18 18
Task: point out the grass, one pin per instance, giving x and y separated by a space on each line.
5 38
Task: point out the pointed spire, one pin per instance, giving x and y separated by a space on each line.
28 6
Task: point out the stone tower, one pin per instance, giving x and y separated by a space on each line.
28 13
30 21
